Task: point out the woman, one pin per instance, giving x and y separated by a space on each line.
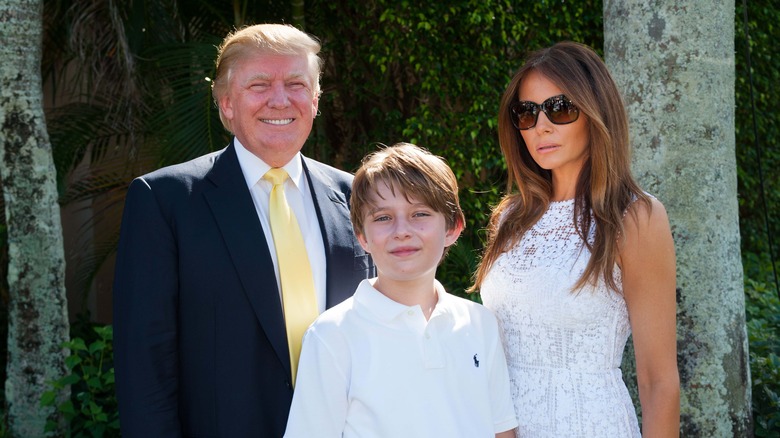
578 258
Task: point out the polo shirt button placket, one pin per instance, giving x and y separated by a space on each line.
434 356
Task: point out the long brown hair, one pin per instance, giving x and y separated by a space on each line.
605 187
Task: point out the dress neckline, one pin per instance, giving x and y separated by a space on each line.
563 203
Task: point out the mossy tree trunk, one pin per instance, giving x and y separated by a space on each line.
38 323
674 62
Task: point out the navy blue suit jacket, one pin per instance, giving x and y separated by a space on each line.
200 342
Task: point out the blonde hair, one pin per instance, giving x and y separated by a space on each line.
414 172
279 39
605 187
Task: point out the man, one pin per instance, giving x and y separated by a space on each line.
205 331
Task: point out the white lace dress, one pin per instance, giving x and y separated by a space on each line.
563 349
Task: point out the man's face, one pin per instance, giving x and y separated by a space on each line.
270 104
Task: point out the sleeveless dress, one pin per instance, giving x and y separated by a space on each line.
563 348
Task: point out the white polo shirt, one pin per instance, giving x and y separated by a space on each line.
372 367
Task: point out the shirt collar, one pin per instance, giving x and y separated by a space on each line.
254 168
386 310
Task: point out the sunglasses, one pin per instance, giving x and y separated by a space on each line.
559 110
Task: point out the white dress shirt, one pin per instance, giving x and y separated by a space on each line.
296 190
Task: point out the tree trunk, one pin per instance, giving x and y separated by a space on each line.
675 63
298 14
38 323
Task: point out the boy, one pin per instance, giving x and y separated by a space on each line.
402 357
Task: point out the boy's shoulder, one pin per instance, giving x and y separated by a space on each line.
336 315
342 315
465 307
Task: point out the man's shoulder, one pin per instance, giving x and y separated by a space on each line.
196 168
331 175
179 182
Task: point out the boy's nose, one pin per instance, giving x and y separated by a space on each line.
402 228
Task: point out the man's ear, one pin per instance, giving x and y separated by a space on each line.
226 106
315 107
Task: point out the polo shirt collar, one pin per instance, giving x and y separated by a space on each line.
386 310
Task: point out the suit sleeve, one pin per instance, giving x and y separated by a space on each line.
145 318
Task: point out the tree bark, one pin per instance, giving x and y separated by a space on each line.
298 14
38 323
675 63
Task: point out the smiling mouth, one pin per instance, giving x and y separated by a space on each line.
277 121
401 252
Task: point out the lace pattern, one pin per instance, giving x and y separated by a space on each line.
563 348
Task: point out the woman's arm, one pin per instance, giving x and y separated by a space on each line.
649 285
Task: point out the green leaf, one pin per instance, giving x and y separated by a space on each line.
72 361
48 398
77 344
96 346
70 379
94 382
67 408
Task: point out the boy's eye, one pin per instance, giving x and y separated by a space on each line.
422 214
382 218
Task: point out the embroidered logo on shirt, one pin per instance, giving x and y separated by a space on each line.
476 361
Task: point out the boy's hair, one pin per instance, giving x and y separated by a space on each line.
413 171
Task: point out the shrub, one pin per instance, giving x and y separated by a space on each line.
92 408
763 325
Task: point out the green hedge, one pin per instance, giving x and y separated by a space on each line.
758 154
432 73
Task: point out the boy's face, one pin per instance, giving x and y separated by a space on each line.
406 238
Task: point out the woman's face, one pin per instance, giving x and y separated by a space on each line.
562 149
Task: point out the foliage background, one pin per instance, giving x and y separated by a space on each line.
758 156
128 92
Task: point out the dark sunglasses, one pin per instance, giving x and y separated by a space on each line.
559 110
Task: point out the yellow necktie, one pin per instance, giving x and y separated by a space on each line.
298 299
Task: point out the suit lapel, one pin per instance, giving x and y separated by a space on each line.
236 217
333 216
